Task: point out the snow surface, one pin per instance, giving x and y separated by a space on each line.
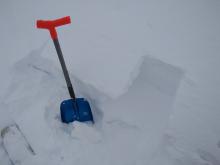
150 70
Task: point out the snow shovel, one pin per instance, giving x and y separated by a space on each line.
75 108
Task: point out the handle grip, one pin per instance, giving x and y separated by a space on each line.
52 24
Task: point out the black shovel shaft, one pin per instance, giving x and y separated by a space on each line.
65 71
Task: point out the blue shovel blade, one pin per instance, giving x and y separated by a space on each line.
78 109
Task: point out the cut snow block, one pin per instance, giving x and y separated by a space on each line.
15 144
140 116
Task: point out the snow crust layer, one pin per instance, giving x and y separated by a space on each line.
127 129
102 47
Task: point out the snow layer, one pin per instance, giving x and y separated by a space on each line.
127 129
103 48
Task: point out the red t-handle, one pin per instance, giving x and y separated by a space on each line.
52 24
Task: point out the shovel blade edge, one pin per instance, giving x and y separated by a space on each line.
75 110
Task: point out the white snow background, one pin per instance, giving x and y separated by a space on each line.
150 70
